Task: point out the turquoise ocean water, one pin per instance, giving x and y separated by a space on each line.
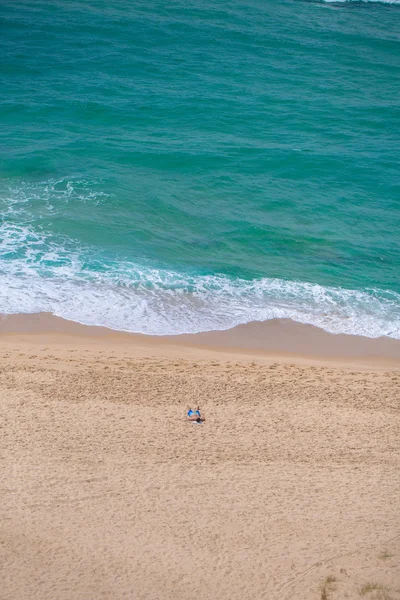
179 166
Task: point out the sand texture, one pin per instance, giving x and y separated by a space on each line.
107 493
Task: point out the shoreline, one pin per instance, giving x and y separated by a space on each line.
281 339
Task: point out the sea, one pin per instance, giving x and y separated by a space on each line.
178 166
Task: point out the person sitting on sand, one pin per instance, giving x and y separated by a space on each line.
195 415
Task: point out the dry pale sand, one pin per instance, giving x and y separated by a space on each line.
107 493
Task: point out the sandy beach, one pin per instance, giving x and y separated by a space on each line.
289 491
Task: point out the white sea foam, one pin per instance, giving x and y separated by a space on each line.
41 274
128 297
18 199
363 1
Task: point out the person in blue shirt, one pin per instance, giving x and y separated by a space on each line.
195 415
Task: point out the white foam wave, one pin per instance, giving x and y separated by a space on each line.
39 273
363 1
38 276
21 198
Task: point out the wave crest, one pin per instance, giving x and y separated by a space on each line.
130 297
42 273
362 1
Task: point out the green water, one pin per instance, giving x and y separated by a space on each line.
182 166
